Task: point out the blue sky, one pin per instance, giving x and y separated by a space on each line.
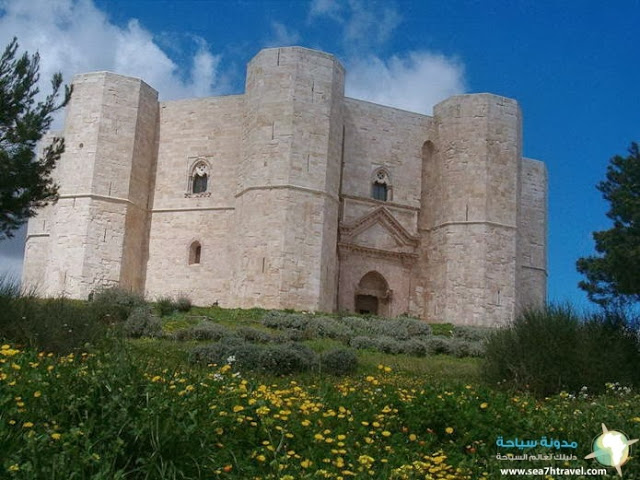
574 67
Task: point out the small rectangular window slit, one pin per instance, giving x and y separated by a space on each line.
263 263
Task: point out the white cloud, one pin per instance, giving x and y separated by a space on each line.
365 24
73 36
369 25
414 82
283 36
329 8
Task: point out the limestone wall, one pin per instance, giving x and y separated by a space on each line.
104 177
470 235
532 235
37 244
208 129
288 181
380 137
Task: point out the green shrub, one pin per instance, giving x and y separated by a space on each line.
216 353
246 356
470 333
283 320
415 347
166 306
363 343
202 331
286 359
183 304
115 304
465 348
553 349
142 324
382 344
339 362
254 335
438 345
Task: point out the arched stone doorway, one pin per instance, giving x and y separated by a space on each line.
373 295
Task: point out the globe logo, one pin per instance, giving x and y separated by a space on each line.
611 449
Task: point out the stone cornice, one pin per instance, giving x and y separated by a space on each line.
32 235
376 252
190 209
288 186
469 222
372 201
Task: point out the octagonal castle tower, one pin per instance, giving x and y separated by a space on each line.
293 196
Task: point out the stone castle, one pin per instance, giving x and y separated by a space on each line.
294 196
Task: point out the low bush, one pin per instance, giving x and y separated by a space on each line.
165 306
470 333
254 335
142 324
553 349
278 359
183 304
339 362
346 328
214 353
115 304
326 327
283 320
415 347
438 345
202 331
286 359
466 348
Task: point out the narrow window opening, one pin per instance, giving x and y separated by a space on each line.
195 252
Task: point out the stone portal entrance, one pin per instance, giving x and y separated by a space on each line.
373 295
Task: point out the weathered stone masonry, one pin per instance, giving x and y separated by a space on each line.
293 196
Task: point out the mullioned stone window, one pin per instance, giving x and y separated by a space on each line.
199 180
381 185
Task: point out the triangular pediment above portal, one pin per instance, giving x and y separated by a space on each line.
380 230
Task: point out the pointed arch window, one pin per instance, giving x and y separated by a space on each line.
381 185
195 253
199 177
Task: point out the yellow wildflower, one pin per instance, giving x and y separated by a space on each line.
449 430
238 408
37 394
56 436
27 425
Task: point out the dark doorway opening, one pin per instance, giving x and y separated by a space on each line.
367 304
